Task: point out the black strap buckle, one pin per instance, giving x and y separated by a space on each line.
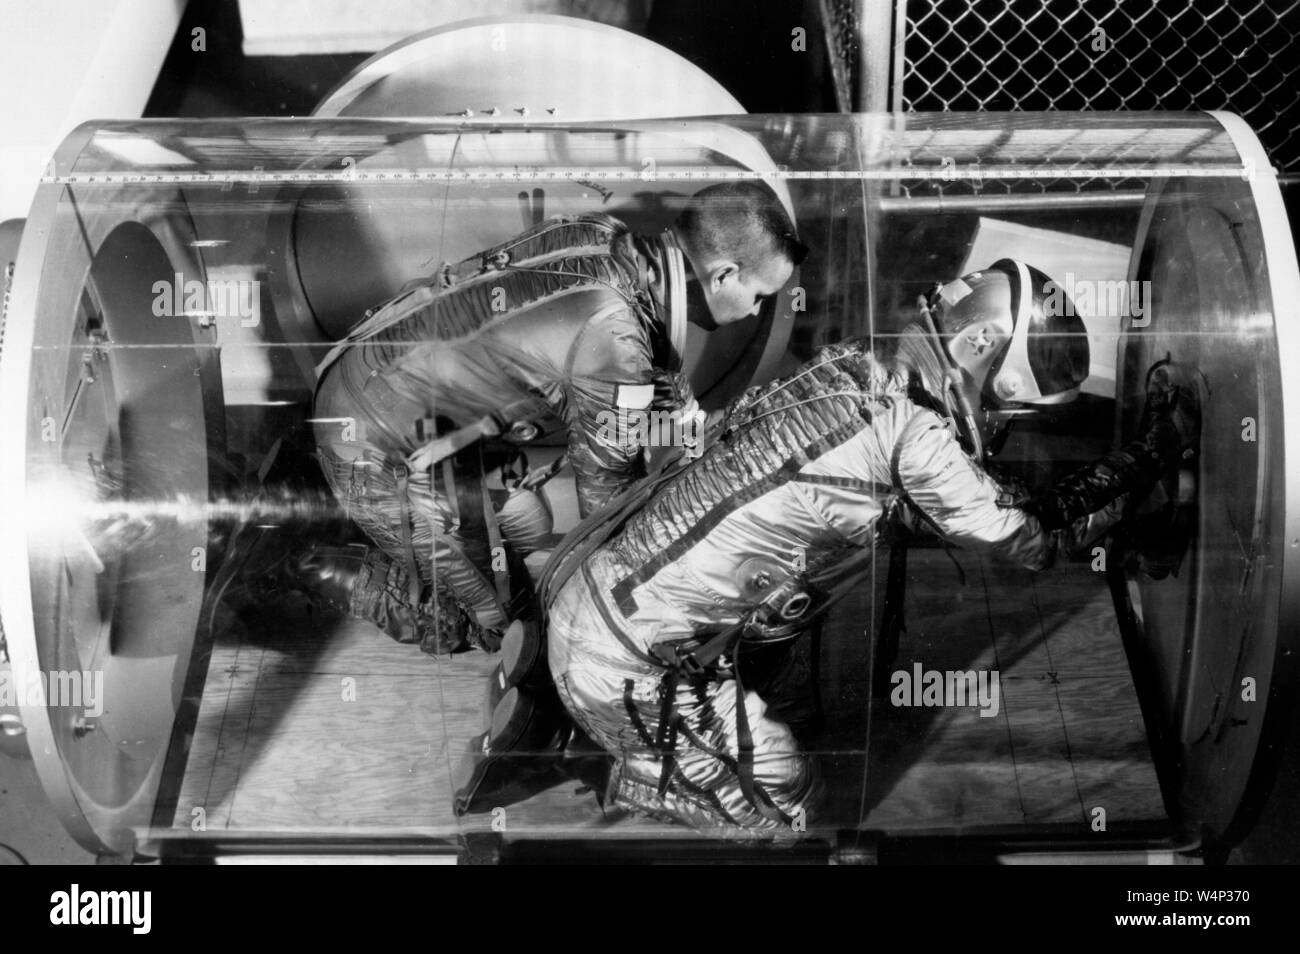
681 662
689 665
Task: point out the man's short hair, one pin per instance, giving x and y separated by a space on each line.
741 221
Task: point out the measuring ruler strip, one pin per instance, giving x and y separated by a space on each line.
577 176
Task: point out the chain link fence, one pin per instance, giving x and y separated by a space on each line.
1238 55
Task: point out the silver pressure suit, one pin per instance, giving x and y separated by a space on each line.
561 326
784 507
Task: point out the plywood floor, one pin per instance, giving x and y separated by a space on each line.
1068 737
315 726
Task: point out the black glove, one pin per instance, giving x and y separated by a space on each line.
1170 437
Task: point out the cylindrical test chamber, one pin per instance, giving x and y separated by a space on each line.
178 281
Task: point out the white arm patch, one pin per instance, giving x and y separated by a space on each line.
634 396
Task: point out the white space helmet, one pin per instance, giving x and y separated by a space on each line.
1008 329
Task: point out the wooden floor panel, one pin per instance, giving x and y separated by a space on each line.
322 728
1068 732
331 727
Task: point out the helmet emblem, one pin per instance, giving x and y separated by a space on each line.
979 342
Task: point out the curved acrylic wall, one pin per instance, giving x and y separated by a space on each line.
178 281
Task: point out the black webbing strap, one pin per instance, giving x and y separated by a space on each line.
695 665
666 736
629 706
698 661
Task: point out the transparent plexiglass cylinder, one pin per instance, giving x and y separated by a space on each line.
178 282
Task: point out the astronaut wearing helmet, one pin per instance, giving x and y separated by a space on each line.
755 539
996 338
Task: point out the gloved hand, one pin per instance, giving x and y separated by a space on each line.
1160 527
1174 394
1169 436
